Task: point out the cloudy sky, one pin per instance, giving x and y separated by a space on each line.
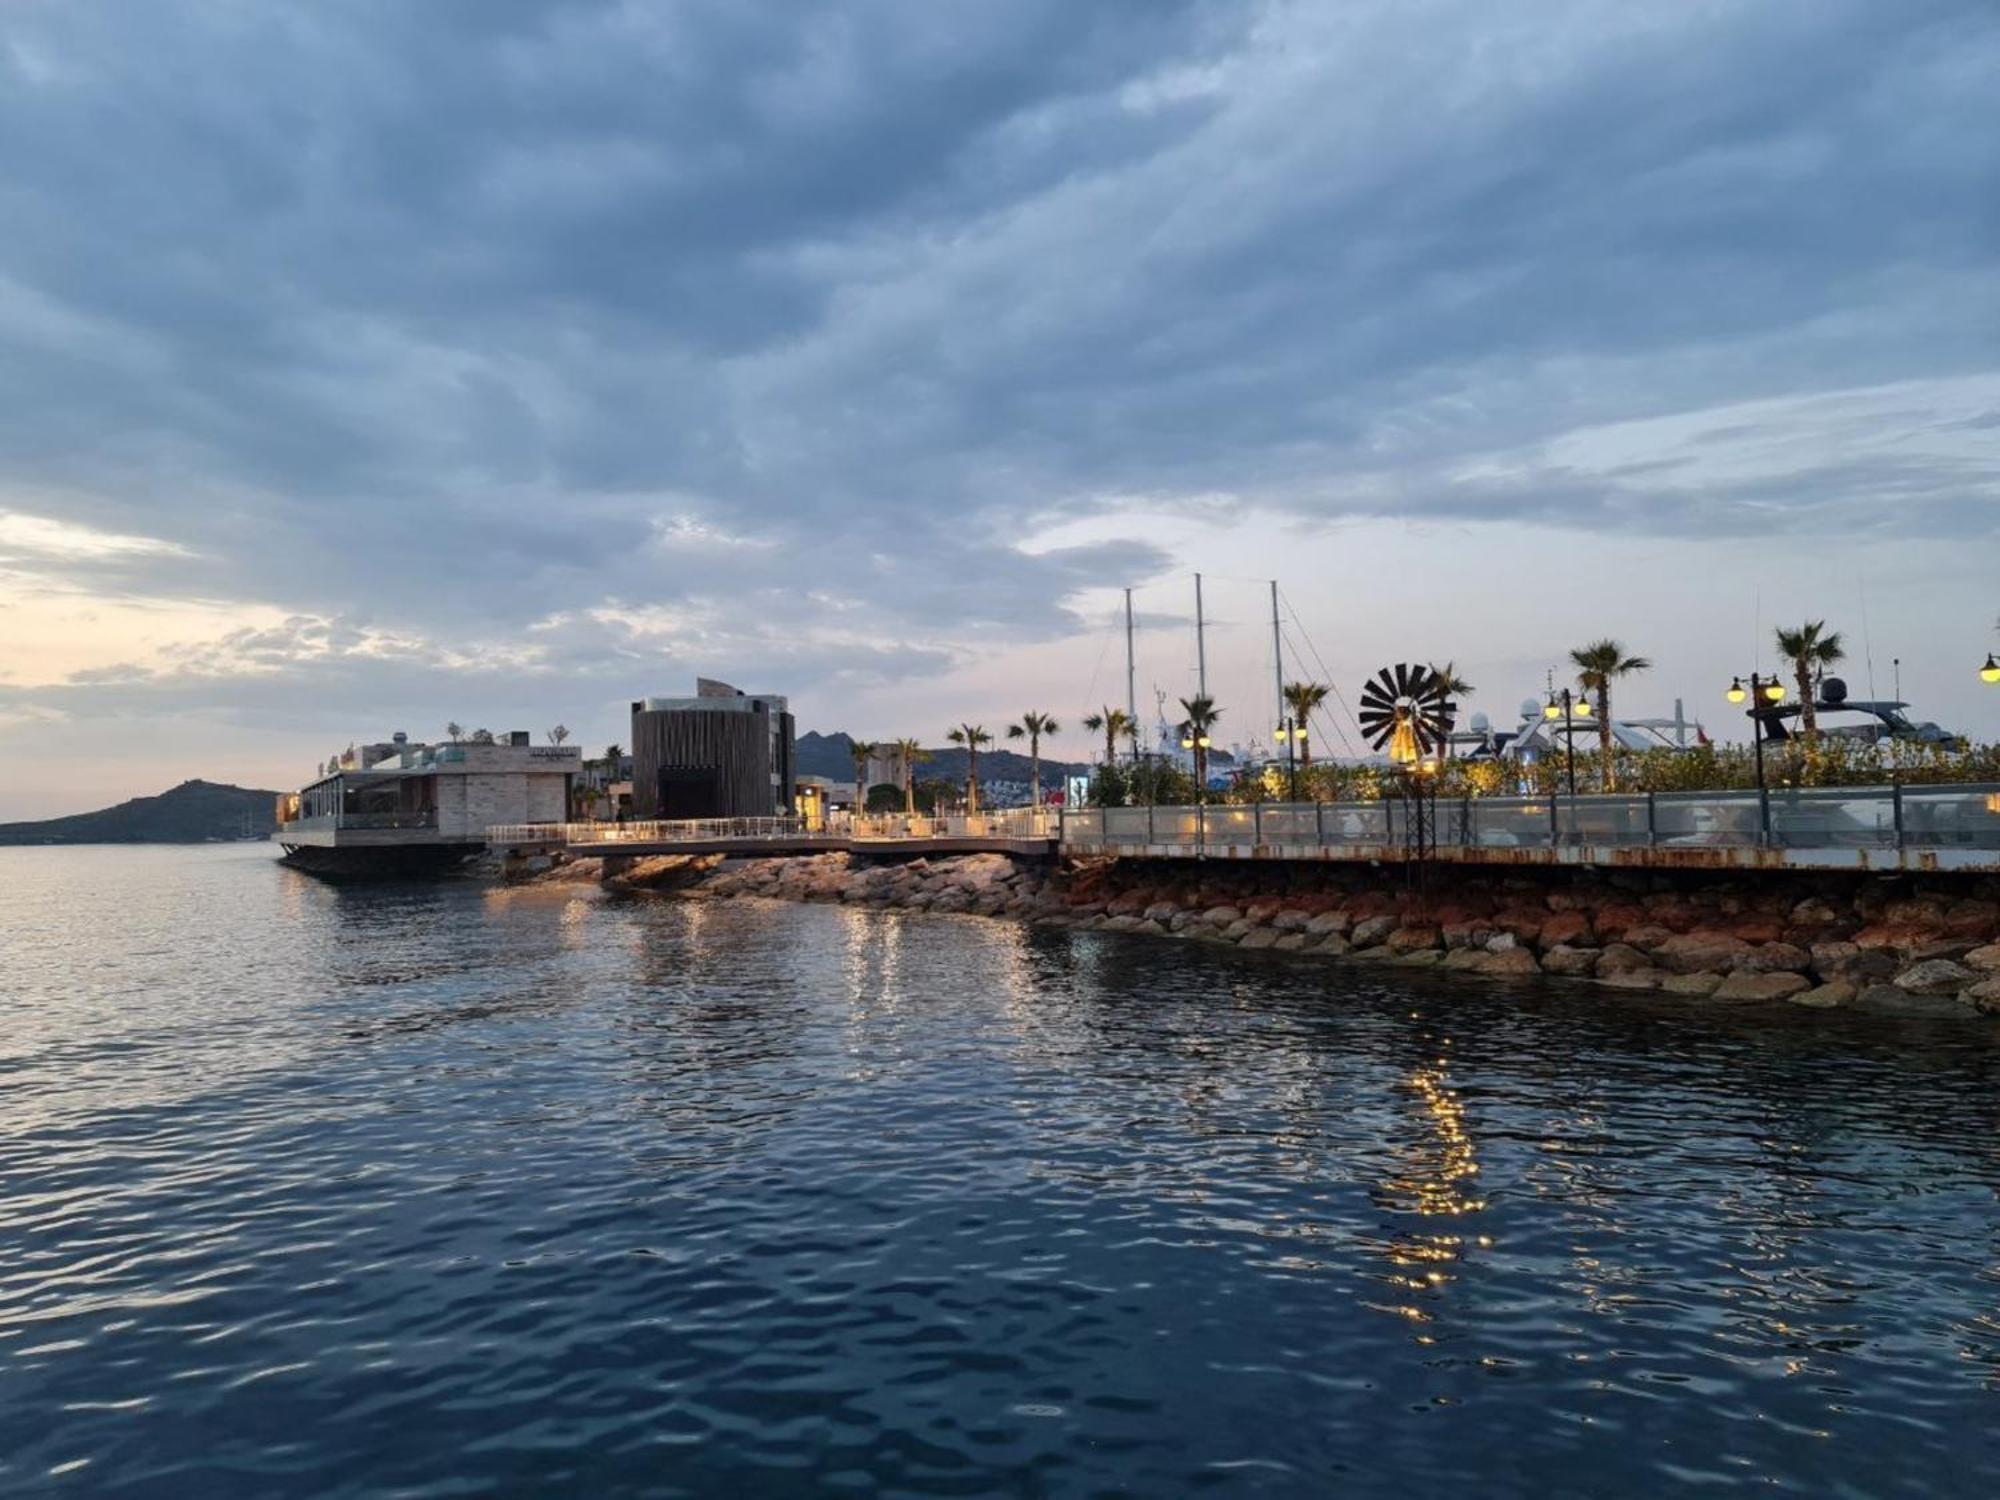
369 365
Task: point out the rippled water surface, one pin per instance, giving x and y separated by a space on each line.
441 1191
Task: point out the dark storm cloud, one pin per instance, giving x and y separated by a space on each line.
438 322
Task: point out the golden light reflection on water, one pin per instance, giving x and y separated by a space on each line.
1437 1180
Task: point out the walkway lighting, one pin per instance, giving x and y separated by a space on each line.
1775 691
1991 671
1736 693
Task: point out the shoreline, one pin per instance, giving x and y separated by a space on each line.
1894 945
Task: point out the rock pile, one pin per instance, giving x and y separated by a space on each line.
1881 943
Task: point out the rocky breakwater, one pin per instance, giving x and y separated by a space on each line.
1880 944
992 885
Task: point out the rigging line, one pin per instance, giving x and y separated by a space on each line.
1326 715
1340 731
1097 671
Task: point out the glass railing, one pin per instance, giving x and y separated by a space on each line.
1789 817
1965 816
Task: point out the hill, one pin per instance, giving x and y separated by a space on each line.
195 812
830 755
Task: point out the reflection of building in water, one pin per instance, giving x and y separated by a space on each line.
1436 1182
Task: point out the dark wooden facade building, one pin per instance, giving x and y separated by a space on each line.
719 754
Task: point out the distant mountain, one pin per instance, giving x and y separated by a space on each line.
831 756
195 812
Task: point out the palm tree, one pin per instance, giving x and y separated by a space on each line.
1031 728
1304 699
972 736
1201 716
1453 687
454 732
1811 649
1598 664
862 752
908 754
558 734
1114 722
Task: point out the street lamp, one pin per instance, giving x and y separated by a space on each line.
1762 690
1292 734
1189 741
1569 707
1991 671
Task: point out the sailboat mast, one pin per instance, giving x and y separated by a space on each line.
1200 642
1277 652
1131 680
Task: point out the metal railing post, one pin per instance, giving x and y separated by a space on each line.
1319 822
1896 809
1555 821
1763 816
1200 828
1256 825
1152 837
1652 820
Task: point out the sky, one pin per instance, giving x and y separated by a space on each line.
371 366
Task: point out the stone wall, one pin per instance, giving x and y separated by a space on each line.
1903 944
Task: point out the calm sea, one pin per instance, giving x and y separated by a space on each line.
447 1191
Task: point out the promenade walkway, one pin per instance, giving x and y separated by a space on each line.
1918 828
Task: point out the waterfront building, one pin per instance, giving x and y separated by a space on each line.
396 805
723 753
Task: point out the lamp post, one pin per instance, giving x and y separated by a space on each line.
1199 744
1991 671
1569 707
1291 734
1762 690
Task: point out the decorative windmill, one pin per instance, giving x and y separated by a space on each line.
1406 710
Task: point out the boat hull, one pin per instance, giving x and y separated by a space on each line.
381 862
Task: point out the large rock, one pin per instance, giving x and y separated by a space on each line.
1826 996
1260 937
1706 952
1333 943
1576 962
1977 920
1289 920
1221 916
1508 963
1985 996
1935 976
1986 960
1762 986
1691 984
1567 929
1328 922
1620 958
1413 939
1646 978
1773 958
1373 930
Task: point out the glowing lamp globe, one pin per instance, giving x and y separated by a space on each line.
1991 671
1736 693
